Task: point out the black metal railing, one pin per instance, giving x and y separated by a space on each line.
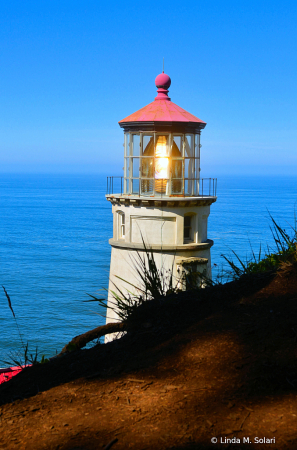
208 187
114 185
187 187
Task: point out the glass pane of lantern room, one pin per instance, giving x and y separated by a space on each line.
135 145
135 186
176 187
126 144
126 186
126 165
148 145
197 162
197 169
147 186
197 146
189 176
189 146
135 165
126 154
189 168
177 168
188 187
177 150
176 176
147 165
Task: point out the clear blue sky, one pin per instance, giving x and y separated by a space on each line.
70 70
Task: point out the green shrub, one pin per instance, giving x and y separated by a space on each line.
285 252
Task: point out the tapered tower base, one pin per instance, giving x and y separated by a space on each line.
174 231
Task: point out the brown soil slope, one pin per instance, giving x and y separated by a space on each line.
217 363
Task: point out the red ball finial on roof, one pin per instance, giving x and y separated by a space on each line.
163 82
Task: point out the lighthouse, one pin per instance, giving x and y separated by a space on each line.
160 203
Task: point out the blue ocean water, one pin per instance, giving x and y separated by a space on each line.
240 219
54 232
54 249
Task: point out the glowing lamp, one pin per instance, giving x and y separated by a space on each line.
161 164
162 160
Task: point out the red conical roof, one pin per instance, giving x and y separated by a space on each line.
162 109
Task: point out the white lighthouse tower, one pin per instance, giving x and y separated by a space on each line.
161 203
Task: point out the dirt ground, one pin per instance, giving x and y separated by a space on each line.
219 363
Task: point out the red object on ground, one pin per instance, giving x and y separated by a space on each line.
9 372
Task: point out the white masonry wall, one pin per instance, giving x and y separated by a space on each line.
161 229
160 225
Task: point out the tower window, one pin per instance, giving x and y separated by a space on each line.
188 228
121 225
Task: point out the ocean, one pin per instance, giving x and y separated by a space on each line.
54 250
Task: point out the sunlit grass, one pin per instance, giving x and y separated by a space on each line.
283 254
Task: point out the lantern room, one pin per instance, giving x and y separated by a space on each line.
162 148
